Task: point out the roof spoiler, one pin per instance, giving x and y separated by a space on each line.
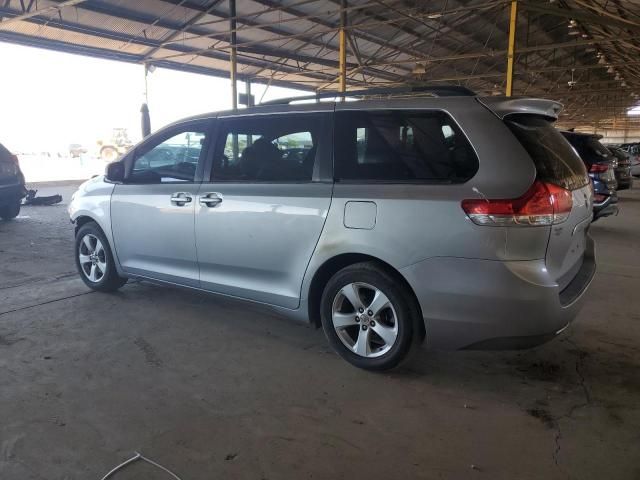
503 106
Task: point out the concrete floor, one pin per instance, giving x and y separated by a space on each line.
217 389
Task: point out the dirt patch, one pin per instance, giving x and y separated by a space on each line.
542 371
544 416
150 355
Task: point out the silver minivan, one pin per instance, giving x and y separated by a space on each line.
454 221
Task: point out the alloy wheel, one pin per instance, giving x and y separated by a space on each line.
92 257
364 319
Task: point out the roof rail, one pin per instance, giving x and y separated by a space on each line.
433 90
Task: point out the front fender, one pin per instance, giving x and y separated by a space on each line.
92 200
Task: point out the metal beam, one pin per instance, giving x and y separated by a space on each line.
42 11
136 40
184 28
581 15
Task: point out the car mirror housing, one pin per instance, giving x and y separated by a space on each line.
114 172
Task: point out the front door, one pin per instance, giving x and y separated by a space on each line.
152 212
259 217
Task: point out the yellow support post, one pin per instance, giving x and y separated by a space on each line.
342 37
512 46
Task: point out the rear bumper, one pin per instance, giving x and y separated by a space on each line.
625 184
11 193
606 208
487 304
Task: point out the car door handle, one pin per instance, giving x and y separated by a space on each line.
181 198
210 199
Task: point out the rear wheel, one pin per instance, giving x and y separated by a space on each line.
368 318
94 260
10 211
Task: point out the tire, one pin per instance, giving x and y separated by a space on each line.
10 210
380 336
94 260
108 154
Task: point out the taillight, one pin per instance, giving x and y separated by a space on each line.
599 168
14 159
543 204
599 198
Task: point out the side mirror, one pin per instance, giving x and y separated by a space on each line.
114 173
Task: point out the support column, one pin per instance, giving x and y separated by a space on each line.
233 59
342 76
145 117
247 89
512 46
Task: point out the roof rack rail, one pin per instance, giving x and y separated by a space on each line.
434 90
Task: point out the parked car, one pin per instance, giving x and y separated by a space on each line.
633 149
457 222
76 150
12 189
623 168
600 163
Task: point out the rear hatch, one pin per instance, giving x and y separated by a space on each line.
557 163
598 158
9 170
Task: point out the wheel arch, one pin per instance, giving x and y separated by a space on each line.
83 220
332 265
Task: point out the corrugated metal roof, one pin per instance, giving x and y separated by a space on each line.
583 53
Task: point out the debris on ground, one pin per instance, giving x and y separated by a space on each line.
32 199
138 456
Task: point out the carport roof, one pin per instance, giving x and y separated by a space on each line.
594 43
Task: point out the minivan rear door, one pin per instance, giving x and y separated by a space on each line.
263 204
558 163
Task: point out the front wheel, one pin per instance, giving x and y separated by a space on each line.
368 317
94 260
10 211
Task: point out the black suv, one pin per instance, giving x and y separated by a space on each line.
12 189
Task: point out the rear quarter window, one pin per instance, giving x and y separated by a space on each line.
556 161
401 146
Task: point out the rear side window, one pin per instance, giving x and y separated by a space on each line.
555 160
401 146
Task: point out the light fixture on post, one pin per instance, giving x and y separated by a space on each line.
572 83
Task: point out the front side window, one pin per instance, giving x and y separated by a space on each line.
175 159
401 146
270 148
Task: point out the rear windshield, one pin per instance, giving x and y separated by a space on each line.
555 160
589 148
